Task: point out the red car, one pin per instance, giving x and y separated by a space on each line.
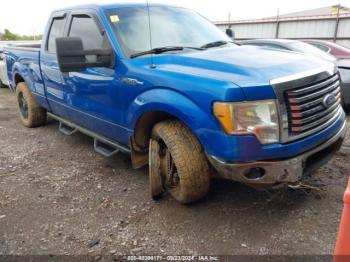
334 49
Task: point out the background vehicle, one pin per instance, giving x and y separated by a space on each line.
338 51
343 56
344 70
179 103
3 70
290 45
299 46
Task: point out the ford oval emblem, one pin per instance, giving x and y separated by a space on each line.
329 100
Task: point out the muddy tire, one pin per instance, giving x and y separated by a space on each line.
183 165
31 113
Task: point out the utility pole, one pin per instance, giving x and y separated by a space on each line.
229 20
277 23
336 25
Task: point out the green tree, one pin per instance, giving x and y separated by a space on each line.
7 35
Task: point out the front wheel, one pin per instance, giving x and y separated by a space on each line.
177 163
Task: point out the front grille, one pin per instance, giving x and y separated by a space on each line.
313 106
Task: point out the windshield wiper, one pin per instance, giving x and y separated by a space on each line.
215 44
160 50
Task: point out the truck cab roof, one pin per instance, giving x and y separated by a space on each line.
108 6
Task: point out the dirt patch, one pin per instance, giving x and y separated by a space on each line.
57 196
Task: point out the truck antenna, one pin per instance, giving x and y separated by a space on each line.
150 34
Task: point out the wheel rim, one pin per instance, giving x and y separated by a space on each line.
168 170
23 105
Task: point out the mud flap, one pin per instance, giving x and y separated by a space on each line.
155 179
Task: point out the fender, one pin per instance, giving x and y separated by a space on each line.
16 70
201 123
21 70
32 79
31 74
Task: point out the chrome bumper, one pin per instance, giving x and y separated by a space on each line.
283 171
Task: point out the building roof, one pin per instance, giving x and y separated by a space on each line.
327 12
322 11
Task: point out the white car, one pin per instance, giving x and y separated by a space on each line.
3 71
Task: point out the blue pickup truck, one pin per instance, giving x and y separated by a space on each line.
164 85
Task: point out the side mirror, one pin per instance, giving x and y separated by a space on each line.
72 57
230 33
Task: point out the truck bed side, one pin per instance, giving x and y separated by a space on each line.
23 65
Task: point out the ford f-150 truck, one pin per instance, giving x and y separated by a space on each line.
166 86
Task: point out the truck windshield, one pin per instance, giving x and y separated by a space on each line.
170 26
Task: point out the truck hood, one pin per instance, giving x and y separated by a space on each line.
245 66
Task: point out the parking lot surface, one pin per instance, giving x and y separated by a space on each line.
57 196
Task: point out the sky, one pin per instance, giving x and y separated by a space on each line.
30 16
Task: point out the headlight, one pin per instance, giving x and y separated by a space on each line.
259 118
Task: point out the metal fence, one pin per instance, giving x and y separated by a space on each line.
327 27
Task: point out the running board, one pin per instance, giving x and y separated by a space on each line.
66 129
104 148
102 145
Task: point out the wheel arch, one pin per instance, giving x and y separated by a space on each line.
160 105
18 78
145 124
143 132
20 74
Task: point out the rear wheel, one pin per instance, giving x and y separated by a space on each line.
31 113
177 163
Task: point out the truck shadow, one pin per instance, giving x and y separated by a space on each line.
226 199
232 217
221 190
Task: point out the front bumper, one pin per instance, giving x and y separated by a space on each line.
281 171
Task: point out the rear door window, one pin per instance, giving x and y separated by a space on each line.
56 30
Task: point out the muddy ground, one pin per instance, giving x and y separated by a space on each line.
57 196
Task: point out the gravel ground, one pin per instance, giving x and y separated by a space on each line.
57 196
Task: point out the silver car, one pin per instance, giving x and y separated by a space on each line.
302 47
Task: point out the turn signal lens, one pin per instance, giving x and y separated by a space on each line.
224 112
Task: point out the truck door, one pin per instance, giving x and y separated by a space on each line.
53 79
93 94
